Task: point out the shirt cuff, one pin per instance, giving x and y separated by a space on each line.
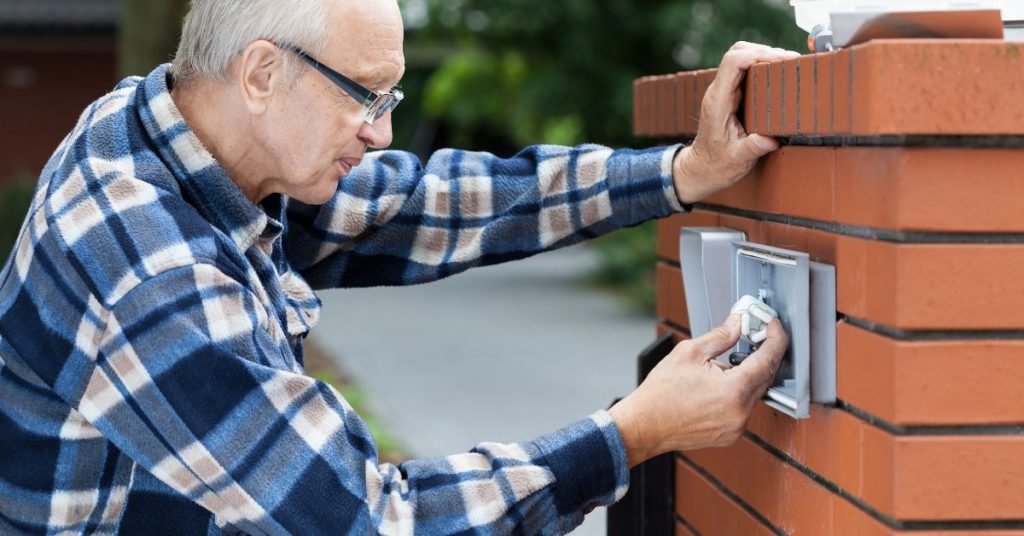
642 186
588 460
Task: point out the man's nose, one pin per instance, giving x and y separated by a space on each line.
378 135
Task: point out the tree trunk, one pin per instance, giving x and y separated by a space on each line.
148 36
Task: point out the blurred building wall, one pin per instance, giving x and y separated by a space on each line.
45 84
56 57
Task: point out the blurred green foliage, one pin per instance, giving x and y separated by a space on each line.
15 198
148 34
536 71
627 265
522 72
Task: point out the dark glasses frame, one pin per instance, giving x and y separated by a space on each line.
375 105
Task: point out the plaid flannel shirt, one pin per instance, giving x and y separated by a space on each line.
152 321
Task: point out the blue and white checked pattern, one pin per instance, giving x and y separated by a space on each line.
152 322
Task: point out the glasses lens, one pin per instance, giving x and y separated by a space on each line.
383 105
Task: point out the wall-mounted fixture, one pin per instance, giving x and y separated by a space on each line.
719 267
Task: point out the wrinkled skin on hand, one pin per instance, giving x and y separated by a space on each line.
690 401
723 152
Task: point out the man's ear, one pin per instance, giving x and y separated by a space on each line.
260 72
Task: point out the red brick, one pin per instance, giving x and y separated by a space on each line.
776 111
796 181
931 189
790 101
770 487
637 124
643 101
668 230
668 105
657 121
931 382
704 80
651 106
931 286
842 97
825 91
959 477
849 520
754 229
906 477
640 98
749 101
910 478
695 100
761 98
848 452
880 88
681 530
678 121
906 189
720 515
925 86
693 108
903 286
807 95
671 90
661 116
708 510
673 306
686 124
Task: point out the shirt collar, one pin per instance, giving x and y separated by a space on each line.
207 185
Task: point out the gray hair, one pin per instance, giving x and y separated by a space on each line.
216 32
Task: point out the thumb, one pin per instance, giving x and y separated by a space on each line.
717 341
755 146
759 369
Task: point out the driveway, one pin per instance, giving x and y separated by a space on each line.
504 353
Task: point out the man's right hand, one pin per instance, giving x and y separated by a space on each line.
723 152
690 401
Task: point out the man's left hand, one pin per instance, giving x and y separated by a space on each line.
723 153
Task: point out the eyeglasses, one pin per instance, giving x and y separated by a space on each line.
375 105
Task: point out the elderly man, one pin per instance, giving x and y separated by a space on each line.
155 306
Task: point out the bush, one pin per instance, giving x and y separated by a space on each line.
15 198
628 261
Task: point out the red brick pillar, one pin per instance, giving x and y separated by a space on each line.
903 166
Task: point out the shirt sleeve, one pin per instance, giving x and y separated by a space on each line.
396 222
192 387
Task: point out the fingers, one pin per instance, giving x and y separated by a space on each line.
740 45
736 62
755 146
759 369
717 341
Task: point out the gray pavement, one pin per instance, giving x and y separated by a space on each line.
504 353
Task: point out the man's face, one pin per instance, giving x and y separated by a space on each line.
314 131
